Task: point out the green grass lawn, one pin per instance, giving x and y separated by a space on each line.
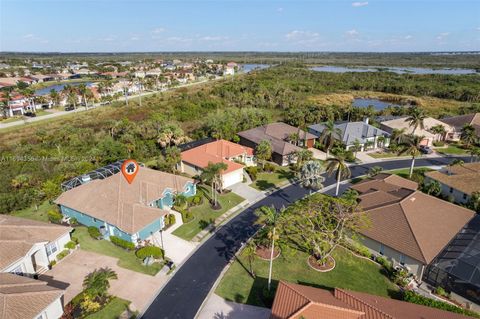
112 310
11 119
404 172
452 150
126 259
275 179
204 214
350 272
40 214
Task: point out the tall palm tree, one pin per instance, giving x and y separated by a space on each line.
55 97
474 154
329 134
268 216
411 146
250 252
398 135
213 174
338 165
303 155
468 135
416 117
96 283
82 89
439 130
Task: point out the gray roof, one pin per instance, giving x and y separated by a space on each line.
350 131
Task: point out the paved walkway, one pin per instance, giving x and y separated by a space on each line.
218 308
130 285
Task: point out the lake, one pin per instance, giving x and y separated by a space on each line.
253 66
378 104
59 87
398 70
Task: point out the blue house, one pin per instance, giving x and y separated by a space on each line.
133 211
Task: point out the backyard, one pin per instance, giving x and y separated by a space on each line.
279 177
126 259
351 272
203 215
39 214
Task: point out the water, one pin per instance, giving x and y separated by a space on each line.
398 70
253 66
59 87
378 104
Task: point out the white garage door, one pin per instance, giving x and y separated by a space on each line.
233 178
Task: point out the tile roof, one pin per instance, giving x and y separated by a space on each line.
352 131
293 301
429 122
18 235
276 133
24 298
409 221
216 152
465 177
459 121
121 204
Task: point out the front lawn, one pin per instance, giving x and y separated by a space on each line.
351 272
404 172
126 259
112 310
275 179
452 150
204 215
40 214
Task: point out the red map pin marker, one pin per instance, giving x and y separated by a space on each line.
129 170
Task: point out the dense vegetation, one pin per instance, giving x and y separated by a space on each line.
35 159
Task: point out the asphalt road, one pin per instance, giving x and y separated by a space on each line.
184 293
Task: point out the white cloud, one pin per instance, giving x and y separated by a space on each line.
359 4
352 33
279 9
212 38
443 35
158 30
408 37
28 36
134 38
179 39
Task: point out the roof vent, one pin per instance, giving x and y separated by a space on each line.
412 199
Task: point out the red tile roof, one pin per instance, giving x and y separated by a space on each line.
216 152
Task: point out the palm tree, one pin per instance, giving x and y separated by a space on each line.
249 252
268 217
474 154
439 130
468 135
96 283
356 146
338 165
310 175
416 117
55 97
7 97
374 170
433 188
329 134
411 146
213 174
82 89
398 135
302 156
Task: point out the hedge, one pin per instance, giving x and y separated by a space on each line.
54 216
148 251
122 243
269 167
252 171
62 254
415 298
94 232
70 245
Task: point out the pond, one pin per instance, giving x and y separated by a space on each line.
249 67
398 70
378 104
58 87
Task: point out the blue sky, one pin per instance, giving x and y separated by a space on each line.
242 25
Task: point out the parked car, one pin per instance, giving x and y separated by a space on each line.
425 149
30 114
69 108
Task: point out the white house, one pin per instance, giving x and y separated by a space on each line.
28 247
27 298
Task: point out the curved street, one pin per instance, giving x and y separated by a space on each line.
183 295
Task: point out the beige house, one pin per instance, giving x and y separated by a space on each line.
27 246
429 136
26 298
408 227
459 181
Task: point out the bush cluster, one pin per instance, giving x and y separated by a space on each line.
62 254
171 219
252 171
196 200
94 232
122 243
349 156
55 216
412 297
269 167
186 215
70 245
150 251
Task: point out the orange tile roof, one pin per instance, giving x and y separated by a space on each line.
216 152
293 301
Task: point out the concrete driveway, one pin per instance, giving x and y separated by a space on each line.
247 192
130 285
218 308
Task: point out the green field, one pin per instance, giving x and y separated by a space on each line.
112 310
126 259
204 215
32 213
280 177
351 272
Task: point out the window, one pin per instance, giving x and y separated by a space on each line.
41 316
51 248
18 270
402 259
464 196
382 249
451 189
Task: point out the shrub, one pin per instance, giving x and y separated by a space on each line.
75 240
73 221
70 245
55 216
147 251
412 297
385 264
171 219
52 263
269 167
360 249
94 232
78 299
441 292
252 171
186 215
349 156
122 243
62 254
196 200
